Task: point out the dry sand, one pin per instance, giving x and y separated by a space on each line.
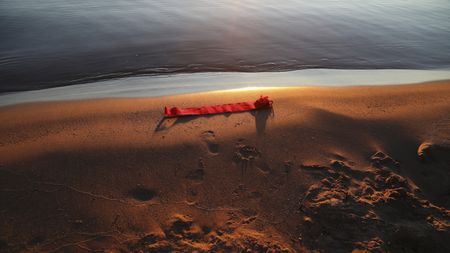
328 170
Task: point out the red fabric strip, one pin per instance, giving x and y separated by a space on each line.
262 103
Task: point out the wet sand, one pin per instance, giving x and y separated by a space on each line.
328 169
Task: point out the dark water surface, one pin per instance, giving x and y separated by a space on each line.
47 43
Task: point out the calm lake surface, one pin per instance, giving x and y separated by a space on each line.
46 43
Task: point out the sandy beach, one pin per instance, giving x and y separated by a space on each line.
327 170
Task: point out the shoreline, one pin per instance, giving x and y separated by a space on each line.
351 168
166 85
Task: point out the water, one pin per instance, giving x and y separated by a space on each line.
163 85
59 42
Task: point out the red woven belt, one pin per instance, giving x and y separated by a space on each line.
262 103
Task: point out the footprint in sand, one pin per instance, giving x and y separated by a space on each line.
191 193
142 194
196 175
245 155
263 166
209 138
194 179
